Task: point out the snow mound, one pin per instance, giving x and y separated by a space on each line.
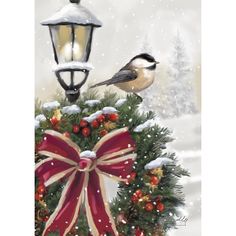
109 110
93 116
159 162
120 102
49 106
88 154
71 110
40 118
92 103
36 124
147 124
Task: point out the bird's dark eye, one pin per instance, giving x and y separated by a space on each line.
149 58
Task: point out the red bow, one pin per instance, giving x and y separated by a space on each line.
112 156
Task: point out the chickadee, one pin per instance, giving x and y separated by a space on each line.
136 76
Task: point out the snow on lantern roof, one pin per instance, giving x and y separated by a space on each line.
73 13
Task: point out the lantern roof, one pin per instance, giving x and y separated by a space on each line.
73 13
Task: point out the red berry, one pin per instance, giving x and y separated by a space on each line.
76 129
134 199
103 132
154 180
95 124
160 206
66 134
149 207
45 219
38 196
139 232
86 132
41 189
113 117
101 119
54 121
83 123
139 193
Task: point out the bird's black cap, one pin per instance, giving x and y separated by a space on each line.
145 56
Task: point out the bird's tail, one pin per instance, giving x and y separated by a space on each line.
99 84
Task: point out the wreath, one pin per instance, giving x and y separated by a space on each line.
76 145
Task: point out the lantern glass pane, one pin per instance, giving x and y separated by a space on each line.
71 42
82 38
62 40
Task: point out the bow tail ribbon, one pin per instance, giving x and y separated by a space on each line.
113 159
67 210
97 208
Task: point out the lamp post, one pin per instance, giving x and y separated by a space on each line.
71 30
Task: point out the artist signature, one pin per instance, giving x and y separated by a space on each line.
181 221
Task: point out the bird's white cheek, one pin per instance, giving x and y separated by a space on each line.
141 63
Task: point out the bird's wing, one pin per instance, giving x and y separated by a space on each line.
120 77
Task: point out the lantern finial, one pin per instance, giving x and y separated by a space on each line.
75 1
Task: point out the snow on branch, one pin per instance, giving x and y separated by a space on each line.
92 103
159 162
146 125
71 110
109 110
93 116
120 102
49 106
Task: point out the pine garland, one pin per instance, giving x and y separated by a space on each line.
148 202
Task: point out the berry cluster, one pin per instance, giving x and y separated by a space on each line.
42 214
103 122
40 191
144 200
149 205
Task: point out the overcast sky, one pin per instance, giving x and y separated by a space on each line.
125 26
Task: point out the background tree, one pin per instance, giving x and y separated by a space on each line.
180 92
174 95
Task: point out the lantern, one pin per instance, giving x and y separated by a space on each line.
71 30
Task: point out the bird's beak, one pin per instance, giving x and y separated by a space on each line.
157 62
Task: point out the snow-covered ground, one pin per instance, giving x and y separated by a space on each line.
187 145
